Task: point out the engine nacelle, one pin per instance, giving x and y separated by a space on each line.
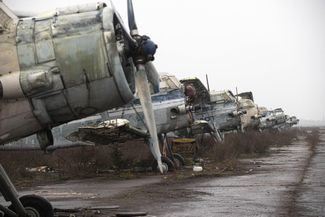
59 67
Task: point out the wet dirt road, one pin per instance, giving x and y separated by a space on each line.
289 182
310 193
86 193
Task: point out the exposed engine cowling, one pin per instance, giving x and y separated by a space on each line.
74 62
63 66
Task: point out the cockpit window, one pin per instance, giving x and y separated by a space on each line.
173 94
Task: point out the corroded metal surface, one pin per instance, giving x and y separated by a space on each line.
219 108
65 64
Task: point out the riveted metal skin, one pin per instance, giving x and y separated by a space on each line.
64 65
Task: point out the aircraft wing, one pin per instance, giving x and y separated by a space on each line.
111 131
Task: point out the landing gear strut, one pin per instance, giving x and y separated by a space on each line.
173 160
25 206
45 138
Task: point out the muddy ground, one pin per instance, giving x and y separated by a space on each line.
288 182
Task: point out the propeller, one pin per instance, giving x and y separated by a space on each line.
142 53
153 76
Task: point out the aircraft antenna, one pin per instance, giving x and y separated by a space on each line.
207 79
237 102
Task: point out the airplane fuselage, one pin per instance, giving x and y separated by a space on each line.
220 115
169 108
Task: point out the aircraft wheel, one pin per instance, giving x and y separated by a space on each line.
35 206
169 162
165 160
179 161
164 168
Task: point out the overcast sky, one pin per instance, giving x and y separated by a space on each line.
275 48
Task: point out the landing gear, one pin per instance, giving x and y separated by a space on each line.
45 139
173 161
167 163
25 206
179 161
218 136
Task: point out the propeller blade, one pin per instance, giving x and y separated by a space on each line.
142 54
153 76
131 19
129 38
142 86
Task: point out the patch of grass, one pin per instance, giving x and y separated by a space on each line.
87 162
82 162
251 143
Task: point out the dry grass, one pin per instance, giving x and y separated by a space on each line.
77 162
245 144
88 161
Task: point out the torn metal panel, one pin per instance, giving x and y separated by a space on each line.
117 130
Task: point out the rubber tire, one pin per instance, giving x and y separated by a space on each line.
37 203
166 160
180 159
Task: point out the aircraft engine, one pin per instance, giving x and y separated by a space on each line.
69 64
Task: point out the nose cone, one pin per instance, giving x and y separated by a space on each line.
149 49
